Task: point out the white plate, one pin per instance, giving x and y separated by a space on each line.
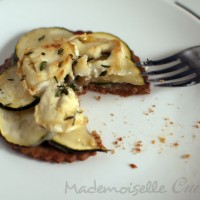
152 29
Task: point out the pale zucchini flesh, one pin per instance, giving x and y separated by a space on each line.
125 47
40 36
13 95
20 128
78 139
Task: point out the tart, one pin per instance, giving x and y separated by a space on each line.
41 116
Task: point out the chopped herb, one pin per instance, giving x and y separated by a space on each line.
35 97
10 79
23 77
28 53
106 66
106 54
56 79
68 118
89 59
80 111
73 122
43 53
72 57
73 86
41 38
74 63
60 64
60 51
103 73
43 65
61 90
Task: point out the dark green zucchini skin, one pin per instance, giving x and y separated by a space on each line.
69 150
35 102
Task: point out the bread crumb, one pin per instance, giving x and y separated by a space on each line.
119 142
196 126
133 166
150 110
166 119
136 150
112 151
98 98
153 142
176 144
137 147
186 156
162 139
138 144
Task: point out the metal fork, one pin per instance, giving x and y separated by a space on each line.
181 69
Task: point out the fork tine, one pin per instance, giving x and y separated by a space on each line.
162 71
184 83
172 77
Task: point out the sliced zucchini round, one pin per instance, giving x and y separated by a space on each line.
40 36
20 128
125 47
78 139
13 96
109 60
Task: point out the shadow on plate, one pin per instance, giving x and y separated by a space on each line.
9 48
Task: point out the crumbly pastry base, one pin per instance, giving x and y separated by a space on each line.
122 89
50 154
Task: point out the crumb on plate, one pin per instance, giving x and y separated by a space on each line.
133 166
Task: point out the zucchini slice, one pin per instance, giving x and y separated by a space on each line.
105 58
40 36
20 128
60 113
125 47
13 95
78 139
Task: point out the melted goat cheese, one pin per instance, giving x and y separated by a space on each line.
44 63
116 66
58 110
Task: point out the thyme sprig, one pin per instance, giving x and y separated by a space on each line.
60 51
43 65
105 66
61 89
103 73
41 38
28 53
